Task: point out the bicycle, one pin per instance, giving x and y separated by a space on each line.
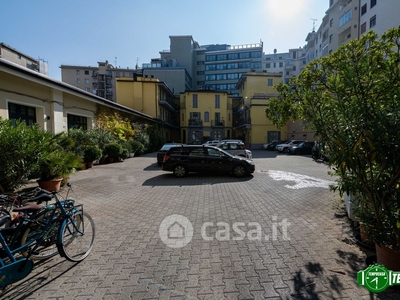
75 233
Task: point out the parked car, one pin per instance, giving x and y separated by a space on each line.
212 143
192 158
235 148
286 146
302 148
162 151
272 145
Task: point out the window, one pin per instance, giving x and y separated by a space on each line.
331 23
87 89
294 68
197 152
206 116
194 101
217 101
268 65
294 55
274 65
270 82
86 72
87 81
217 118
200 72
345 18
373 3
372 21
363 27
78 80
24 113
200 62
331 38
78 72
281 64
77 122
363 9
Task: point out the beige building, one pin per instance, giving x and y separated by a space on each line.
99 81
54 105
379 16
15 56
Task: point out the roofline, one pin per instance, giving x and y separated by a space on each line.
65 87
16 51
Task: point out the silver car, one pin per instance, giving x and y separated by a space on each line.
235 148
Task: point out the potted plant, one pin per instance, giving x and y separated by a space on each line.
91 154
55 167
113 151
357 117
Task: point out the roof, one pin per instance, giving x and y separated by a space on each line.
14 69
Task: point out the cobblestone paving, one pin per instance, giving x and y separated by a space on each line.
129 200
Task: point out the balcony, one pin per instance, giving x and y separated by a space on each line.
218 123
195 123
243 123
169 104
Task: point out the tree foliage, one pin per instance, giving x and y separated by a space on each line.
351 99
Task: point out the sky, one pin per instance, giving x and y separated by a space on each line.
126 32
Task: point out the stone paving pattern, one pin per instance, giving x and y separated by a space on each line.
129 200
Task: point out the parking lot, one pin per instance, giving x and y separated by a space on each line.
271 235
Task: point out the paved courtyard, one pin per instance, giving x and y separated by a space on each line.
278 236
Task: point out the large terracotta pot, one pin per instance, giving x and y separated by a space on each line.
89 164
50 185
388 257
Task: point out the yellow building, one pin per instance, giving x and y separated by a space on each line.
205 115
250 123
151 97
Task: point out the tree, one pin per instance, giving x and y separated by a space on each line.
351 99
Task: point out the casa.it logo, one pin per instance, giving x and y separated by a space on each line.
376 278
176 231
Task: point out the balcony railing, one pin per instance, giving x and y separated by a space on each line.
245 122
195 123
169 103
217 123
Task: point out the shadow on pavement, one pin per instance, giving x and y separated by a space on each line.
192 179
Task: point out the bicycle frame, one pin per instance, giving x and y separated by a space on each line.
18 268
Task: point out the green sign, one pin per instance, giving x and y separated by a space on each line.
376 278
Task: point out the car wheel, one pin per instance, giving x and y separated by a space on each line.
180 171
286 150
239 171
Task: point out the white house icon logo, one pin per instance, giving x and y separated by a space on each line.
176 231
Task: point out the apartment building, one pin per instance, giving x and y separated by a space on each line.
19 58
379 16
205 115
99 81
250 123
209 67
151 97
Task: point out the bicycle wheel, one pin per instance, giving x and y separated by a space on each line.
76 236
33 231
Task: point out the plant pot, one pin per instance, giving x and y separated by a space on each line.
110 160
50 185
89 165
132 154
388 257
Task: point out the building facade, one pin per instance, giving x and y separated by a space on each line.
15 56
205 115
99 81
250 123
150 96
54 105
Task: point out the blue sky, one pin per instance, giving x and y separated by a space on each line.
83 32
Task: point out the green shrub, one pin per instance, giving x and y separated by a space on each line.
113 150
21 147
137 147
91 154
